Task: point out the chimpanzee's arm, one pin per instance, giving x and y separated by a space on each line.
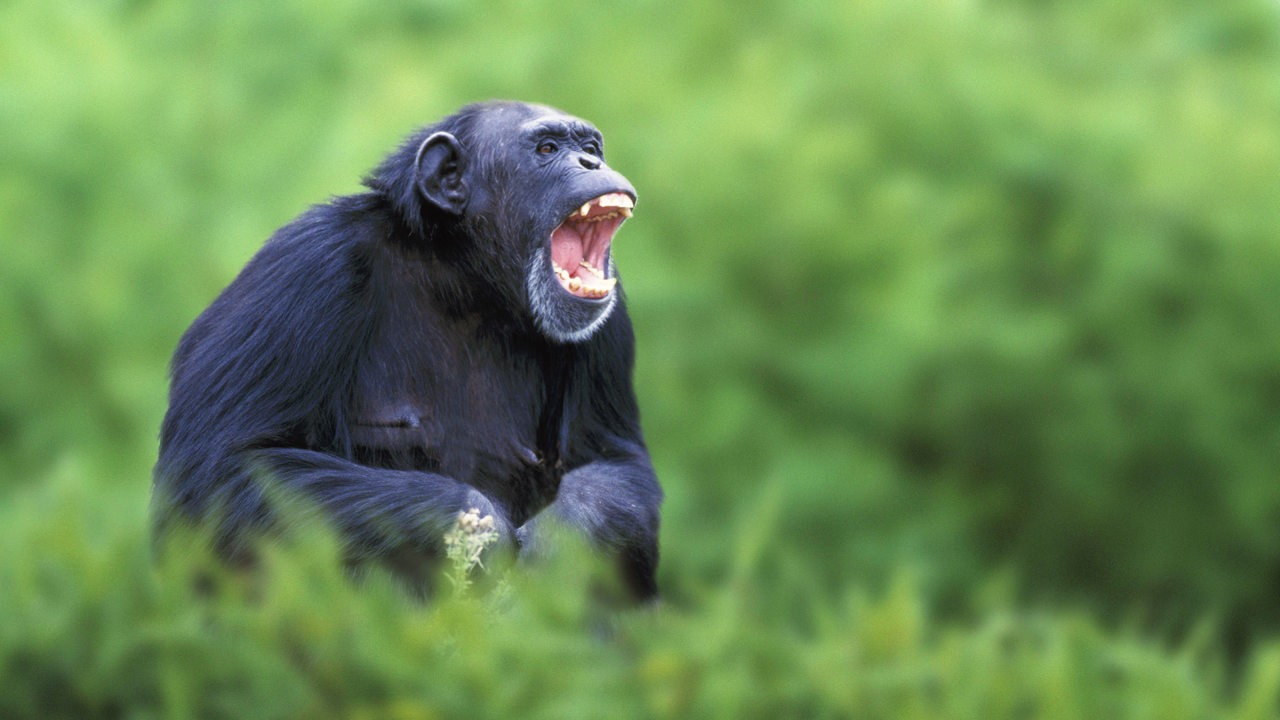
610 492
260 387
377 511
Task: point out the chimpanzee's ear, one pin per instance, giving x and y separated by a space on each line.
438 172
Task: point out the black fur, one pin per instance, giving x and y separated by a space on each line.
387 356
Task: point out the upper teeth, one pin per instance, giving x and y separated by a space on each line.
614 200
619 200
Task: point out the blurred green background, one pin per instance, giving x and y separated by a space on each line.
959 353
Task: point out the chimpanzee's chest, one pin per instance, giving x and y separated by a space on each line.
463 405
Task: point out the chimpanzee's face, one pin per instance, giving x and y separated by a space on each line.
553 194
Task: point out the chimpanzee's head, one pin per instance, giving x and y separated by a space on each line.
524 194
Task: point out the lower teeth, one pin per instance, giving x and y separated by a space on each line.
576 286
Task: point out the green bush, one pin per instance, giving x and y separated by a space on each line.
979 294
94 629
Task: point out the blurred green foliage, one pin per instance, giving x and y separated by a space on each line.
959 332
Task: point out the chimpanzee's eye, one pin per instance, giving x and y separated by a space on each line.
547 148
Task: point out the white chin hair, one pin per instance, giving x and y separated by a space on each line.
559 315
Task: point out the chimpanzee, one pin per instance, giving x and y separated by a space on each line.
452 338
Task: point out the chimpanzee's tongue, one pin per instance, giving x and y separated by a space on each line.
566 247
572 263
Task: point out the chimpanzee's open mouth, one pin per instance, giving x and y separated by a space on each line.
580 245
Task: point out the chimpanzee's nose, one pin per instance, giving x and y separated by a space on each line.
589 162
